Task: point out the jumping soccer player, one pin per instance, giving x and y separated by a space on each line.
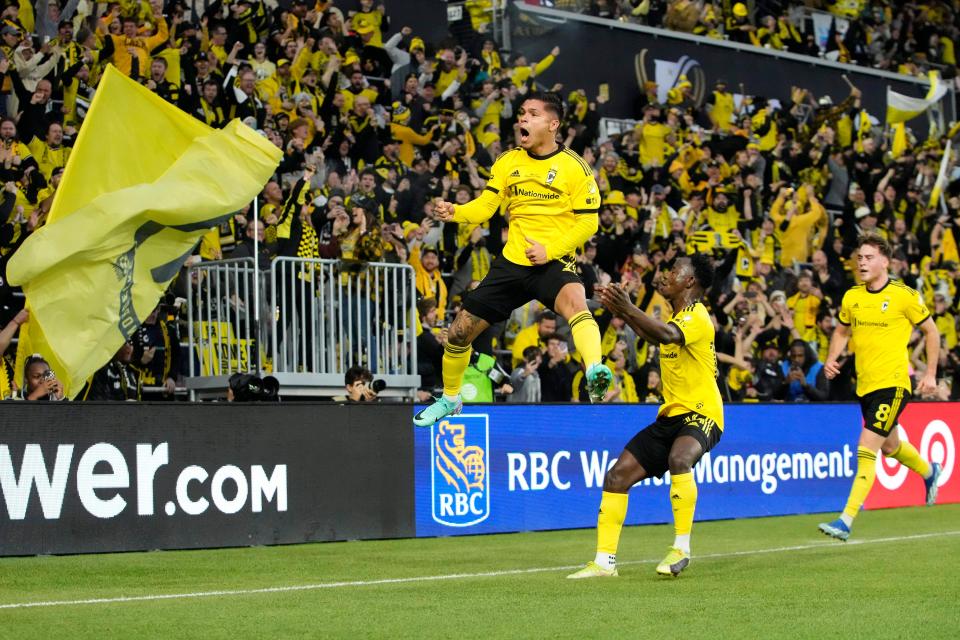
879 316
689 423
553 202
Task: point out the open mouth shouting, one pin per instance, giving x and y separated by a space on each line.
524 135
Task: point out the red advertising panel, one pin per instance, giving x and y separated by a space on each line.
934 429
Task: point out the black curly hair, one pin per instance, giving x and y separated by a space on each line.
703 270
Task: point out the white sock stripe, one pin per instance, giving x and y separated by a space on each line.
452 576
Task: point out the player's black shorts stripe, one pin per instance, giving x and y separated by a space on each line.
493 190
586 210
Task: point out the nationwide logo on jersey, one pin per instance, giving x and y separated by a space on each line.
551 175
460 461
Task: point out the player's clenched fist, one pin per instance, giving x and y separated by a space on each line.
444 211
536 253
831 369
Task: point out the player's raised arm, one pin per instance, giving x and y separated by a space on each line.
478 210
481 208
615 298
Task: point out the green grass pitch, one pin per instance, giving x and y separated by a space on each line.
899 577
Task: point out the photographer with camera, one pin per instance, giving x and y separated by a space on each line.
39 381
360 385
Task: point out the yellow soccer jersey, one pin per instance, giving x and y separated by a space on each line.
881 323
689 371
545 197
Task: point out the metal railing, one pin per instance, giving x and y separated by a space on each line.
221 329
318 318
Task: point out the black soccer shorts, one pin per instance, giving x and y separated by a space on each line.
508 286
651 446
882 408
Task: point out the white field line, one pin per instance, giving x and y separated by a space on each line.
449 576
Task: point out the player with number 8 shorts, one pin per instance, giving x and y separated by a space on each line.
878 317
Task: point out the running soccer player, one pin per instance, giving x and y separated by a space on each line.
879 315
553 203
688 424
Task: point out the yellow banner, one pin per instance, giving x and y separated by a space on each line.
144 182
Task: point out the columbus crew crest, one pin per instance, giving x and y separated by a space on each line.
551 175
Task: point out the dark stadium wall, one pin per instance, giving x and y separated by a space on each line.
591 54
79 478
427 18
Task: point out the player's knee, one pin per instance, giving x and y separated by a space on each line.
887 449
458 336
680 463
615 481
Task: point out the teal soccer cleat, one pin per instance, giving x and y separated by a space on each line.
441 408
931 483
599 378
836 529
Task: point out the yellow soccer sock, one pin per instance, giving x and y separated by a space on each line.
455 362
862 481
907 455
613 511
683 498
586 337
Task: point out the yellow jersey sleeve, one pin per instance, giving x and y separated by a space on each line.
497 182
844 315
692 325
586 197
482 208
915 309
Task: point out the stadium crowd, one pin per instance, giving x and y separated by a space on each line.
376 125
907 37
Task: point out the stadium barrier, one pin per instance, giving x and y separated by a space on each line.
79 478
633 53
92 477
507 468
317 318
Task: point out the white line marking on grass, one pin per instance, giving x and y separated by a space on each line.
450 576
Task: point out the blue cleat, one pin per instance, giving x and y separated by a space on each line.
931 483
836 529
599 378
441 408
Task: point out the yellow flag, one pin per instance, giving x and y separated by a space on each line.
941 180
144 182
901 108
900 142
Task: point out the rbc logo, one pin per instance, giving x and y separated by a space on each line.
459 456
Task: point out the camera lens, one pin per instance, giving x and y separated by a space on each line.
378 385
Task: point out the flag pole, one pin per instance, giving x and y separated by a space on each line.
256 277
